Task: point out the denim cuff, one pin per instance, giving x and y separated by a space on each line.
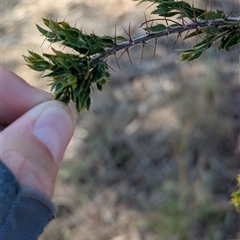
24 212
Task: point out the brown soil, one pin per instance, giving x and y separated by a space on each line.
156 156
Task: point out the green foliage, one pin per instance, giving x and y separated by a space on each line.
227 32
236 196
75 74
170 8
227 36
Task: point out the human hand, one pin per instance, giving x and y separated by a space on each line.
35 131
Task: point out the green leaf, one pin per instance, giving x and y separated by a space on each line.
160 12
193 34
51 57
157 28
190 56
121 39
230 40
168 9
46 22
73 36
58 88
205 43
56 73
54 26
171 14
34 55
65 25
42 30
107 41
211 15
36 62
211 30
195 55
88 104
50 36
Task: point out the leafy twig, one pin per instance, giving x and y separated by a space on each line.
73 75
217 23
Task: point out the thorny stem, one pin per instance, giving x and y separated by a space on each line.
170 30
159 19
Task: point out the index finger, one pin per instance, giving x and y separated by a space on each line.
17 96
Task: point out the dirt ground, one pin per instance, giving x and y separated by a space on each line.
156 156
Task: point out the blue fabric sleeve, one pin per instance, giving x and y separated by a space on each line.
24 212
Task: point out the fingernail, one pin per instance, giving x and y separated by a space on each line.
54 128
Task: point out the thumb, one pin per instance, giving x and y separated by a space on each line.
33 146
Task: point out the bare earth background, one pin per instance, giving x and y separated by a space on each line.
157 155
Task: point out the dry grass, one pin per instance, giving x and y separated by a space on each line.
156 156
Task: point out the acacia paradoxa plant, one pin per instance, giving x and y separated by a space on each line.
74 74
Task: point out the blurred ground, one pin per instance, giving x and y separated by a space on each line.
156 156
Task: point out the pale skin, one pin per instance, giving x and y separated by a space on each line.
35 161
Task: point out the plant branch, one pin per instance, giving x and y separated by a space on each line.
73 74
170 30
